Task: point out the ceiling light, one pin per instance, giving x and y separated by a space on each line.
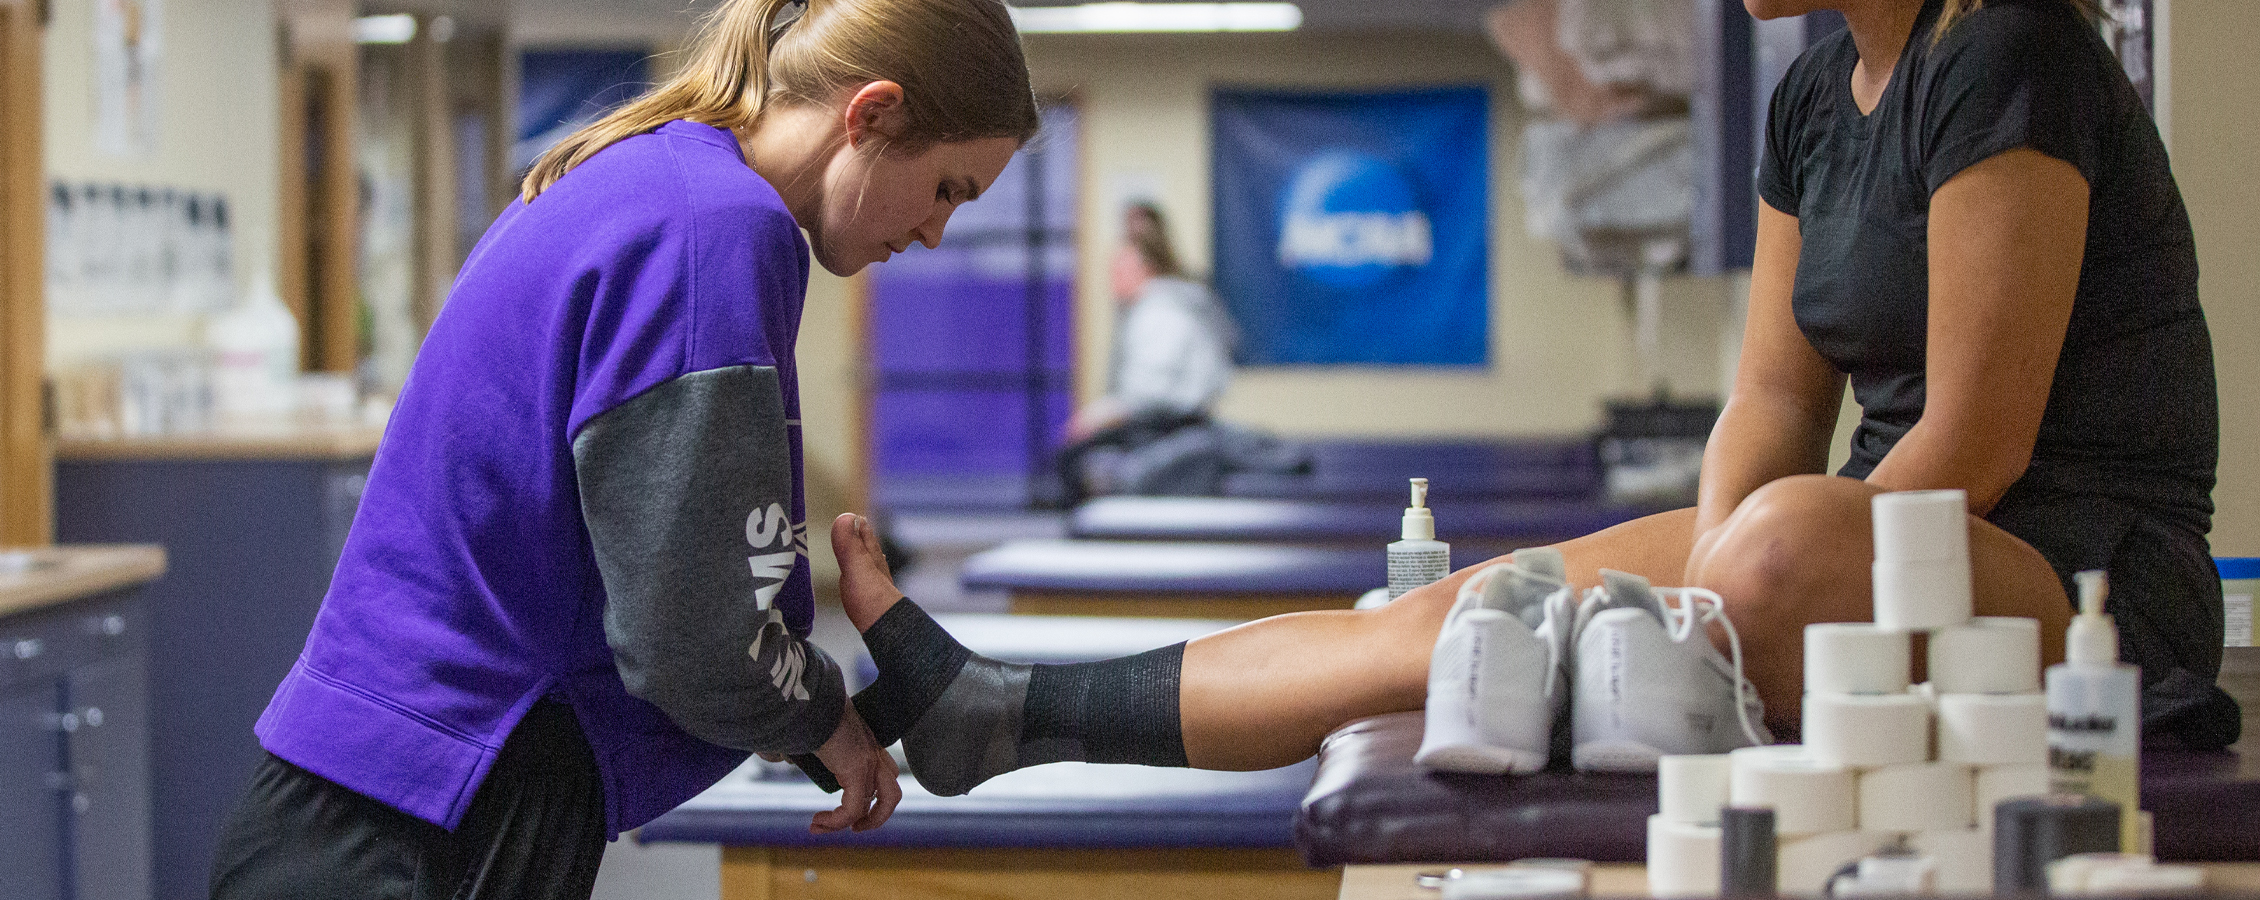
1120 17
394 29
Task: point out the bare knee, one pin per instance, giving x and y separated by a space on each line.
1796 551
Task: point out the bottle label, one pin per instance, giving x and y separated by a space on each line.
1411 569
2094 737
2237 624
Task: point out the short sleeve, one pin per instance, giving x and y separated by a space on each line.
2013 76
1780 181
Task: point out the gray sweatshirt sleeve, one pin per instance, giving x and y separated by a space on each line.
687 490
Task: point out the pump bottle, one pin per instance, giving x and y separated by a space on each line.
1419 558
2094 720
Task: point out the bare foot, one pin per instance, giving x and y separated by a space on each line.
867 587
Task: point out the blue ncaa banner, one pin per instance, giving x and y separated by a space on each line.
1353 228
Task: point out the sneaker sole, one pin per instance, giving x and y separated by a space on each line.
1481 760
1615 756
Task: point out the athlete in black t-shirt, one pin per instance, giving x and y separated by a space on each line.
1969 216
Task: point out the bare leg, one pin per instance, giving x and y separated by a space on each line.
1265 693
1798 551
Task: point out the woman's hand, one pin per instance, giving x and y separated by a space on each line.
870 785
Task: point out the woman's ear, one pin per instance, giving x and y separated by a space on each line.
874 112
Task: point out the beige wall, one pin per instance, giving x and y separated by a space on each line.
2215 127
217 133
1559 345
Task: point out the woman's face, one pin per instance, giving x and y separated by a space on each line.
877 204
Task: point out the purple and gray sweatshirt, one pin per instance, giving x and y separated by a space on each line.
590 488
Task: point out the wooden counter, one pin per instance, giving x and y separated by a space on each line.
291 438
35 579
1628 880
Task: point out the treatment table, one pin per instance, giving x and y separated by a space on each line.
1371 804
1174 579
1371 470
1070 830
1239 558
1477 530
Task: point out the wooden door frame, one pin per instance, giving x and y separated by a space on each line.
26 459
318 62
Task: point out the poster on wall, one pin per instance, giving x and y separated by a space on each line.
1353 228
2127 27
128 47
560 91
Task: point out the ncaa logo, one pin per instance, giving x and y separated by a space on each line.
1350 220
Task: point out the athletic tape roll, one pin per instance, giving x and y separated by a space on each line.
1986 655
1998 783
1921 594
1919 525
1924 796
1690 789
1683 859
1867 730
1992 729
1807 862
1963 859
1808 796
1855 658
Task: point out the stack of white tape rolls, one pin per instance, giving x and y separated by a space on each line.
1883 760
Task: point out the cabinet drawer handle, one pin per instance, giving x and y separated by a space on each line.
30 648
66 723
112 625
92 716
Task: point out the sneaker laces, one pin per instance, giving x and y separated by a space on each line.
1697 607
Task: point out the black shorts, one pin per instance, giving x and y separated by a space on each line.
2165 596
535 830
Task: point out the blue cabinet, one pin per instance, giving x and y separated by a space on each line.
250 546
74 752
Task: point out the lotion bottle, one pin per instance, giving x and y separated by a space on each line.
2094 720
1419 558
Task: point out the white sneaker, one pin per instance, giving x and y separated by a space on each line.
1495 680
1649 683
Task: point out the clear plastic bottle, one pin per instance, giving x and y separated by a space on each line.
1419 558
2094 720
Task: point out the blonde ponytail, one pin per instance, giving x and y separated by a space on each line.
959 63
723 85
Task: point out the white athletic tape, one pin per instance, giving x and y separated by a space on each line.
1924 796
1865 731
1808 796
1855 658
1993 729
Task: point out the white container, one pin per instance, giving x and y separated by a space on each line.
255 355
2094 716
1419 558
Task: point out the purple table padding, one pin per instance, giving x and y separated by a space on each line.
1377 470
1512 523
1371 804
1153 567
1060 806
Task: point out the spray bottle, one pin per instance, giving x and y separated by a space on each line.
1420 558
2094 720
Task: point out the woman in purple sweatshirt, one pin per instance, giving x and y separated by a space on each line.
577 590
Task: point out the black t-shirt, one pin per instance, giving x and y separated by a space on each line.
2122 474
2132 413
